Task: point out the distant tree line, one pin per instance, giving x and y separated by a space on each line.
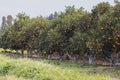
6 22
75 33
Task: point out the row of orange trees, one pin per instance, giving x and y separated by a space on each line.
75 31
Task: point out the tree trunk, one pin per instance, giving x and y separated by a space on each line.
39 54
91 59
70 57
60 56
49 57
78 58
117 61
17 52
30 53
113 62
74 59
114 57
22 52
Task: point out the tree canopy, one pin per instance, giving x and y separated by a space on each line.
74 31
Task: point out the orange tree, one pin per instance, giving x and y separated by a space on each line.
109 33
11 38
89 24
29 34
62 29
86 40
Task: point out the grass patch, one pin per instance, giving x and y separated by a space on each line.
51 70
7 77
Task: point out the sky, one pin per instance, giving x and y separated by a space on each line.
35 8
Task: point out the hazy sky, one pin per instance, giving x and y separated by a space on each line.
42 7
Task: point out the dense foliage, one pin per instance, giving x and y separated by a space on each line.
73 32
